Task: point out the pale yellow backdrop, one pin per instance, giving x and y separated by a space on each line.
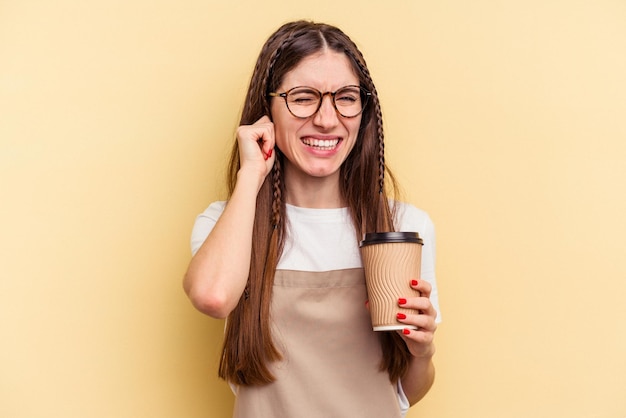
505 121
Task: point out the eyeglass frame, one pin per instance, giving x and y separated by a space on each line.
364 94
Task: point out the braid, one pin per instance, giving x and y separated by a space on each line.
269 71
381 149
256 103
277 192
360 60
383 214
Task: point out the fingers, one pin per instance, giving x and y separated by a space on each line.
423 322
419 342
257 141
422 315
422 303
421 286
268 139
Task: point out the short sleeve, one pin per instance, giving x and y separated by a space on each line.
204 224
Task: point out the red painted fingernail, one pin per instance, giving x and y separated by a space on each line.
406 331
402 301
269 153
401 316
413 282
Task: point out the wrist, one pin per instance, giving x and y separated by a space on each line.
425 354
250 178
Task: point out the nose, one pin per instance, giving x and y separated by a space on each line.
326 117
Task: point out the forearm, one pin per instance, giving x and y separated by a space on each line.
218 272
419 378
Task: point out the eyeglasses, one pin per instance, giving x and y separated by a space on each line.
304 102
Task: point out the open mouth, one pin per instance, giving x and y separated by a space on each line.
321 144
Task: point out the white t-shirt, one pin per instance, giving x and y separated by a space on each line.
324 239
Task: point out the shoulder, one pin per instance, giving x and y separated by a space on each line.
411 218
214 210
204 224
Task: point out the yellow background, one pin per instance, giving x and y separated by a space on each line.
505 121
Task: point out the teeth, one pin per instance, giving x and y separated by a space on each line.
325 144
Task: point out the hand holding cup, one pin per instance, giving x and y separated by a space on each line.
390 259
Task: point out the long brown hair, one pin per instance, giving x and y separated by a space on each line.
366 187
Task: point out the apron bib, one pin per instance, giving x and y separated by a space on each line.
331 356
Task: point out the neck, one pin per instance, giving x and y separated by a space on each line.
313 192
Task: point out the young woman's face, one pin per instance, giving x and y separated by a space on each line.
318 145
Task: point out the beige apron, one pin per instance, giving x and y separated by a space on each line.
331 356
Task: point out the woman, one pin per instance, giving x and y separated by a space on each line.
280 259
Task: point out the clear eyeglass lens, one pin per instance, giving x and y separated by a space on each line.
304 102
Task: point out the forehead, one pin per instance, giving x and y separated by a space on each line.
326 71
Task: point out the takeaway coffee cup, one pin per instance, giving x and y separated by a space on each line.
390 261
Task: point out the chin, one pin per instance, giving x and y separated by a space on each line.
323 172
